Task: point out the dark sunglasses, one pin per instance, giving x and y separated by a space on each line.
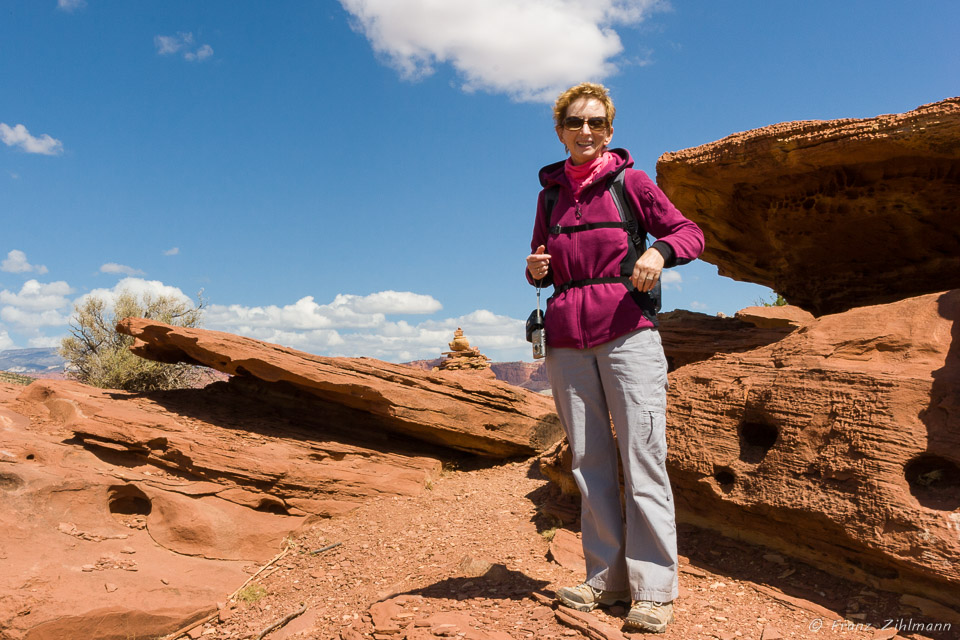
575 123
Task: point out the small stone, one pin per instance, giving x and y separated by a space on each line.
88 568
885 634
775 558
717 585
164 581
770 632
128 550
110 587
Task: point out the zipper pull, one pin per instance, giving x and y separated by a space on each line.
578 213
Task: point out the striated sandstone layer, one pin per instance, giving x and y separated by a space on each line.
129 516
689 336
452 409
838 445
831 214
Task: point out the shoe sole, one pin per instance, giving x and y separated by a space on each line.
587 607
647 627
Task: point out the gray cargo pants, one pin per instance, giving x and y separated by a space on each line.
625 379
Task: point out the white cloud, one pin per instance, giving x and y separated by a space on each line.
182 43
71 5
113 267
16 262
396 302
671 279
354 326
204 52
44 342
35 296
136 287
529 50
172 252
699 306
18 136
346 311
350 325
32 319
6 342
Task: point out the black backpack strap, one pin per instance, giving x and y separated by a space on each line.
558 229
638 235
650 301
550 196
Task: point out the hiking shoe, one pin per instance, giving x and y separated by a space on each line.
583 597
649 616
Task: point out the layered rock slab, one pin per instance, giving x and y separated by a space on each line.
455 410
831 214
837 445
126 516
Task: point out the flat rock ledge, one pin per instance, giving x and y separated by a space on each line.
831 214
455 410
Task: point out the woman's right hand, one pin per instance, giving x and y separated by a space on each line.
538 263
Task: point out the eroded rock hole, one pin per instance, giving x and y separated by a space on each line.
10 482
756 438
934 481
271 506
129 505
725 477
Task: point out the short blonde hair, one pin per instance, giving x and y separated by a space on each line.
583 90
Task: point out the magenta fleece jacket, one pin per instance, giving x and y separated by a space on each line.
583 317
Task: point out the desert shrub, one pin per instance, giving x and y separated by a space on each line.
252 593
14 378
778 301
97 354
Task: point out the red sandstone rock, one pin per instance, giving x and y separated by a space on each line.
688 336
566 549
588 625
455 410
529 375
126 516
831 214
786 316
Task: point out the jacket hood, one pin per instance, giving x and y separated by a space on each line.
553 173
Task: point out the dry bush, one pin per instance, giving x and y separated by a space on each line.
98 355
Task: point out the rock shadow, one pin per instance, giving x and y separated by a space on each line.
934 475
280 410
796 583
496 583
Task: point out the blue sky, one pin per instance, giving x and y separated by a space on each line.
359 178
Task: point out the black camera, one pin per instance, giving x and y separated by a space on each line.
536 333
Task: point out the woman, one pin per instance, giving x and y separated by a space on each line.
604 357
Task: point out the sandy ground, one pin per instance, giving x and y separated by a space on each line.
470 558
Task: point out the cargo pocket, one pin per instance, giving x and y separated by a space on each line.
657 436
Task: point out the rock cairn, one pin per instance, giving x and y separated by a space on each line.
462 356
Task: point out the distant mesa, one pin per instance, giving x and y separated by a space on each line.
36 363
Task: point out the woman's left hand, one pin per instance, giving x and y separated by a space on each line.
647 271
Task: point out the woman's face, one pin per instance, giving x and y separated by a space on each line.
585 144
